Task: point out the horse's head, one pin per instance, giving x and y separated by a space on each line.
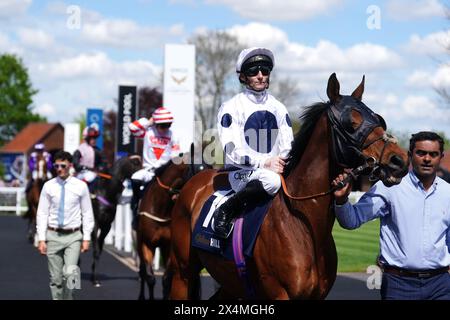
360 134
125 167
41 165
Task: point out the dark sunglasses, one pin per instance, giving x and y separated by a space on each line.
164 125
57 166
253 71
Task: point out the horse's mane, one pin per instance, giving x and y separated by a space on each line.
308 121
115 170
159 171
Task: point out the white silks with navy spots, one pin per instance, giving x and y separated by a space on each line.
254 127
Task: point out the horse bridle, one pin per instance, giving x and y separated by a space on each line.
341 137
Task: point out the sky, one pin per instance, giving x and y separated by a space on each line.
78 52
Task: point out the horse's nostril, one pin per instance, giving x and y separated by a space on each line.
397 161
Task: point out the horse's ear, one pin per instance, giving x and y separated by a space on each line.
357 94
333 89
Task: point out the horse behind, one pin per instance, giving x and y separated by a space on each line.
294 254
154 222
33 194
108 191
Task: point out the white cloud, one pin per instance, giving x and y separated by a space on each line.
33 38
13 8
272 10
414 9
439 78
45 109
259 34
325 56
127 33
431 44
97 65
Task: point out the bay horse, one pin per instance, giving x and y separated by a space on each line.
294 254
33 194
108 191
154 222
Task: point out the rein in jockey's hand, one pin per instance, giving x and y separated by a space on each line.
275 164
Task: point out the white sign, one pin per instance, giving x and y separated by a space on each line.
71 137
179 90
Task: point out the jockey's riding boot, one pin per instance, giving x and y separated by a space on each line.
252 194
136 186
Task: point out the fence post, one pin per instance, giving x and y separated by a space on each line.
18 201
118 228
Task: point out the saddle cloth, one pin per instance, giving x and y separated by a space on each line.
203 235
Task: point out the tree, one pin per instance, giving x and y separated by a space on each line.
444 93
109 135
216 53
16 93
149 99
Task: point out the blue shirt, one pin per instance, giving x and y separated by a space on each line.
414 223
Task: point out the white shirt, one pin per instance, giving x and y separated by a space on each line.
254 126
77 207
158 148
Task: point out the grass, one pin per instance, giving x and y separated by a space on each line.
357 249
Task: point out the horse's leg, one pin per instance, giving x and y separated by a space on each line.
168 272
146 270
94 238
142 272
185 266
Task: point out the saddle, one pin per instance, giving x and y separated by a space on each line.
203 236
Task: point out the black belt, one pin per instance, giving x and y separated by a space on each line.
65 231
414 273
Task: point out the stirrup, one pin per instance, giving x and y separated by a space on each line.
227 233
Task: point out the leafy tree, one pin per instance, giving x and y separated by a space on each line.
16 98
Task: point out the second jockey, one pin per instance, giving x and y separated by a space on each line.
160 146
87 159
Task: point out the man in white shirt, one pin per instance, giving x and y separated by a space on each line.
64 225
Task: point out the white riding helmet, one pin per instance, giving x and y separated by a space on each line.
246 54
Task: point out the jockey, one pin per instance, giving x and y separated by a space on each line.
39 150
160 146
33 167
87 159
256 133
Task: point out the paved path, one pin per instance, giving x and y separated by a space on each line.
24 274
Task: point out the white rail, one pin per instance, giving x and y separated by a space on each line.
11 199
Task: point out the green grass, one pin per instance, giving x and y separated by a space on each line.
357 249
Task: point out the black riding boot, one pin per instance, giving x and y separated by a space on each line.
136 186
251 195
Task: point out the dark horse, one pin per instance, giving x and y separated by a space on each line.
294 254
154 223
33 193
108 191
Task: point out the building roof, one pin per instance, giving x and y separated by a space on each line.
33 133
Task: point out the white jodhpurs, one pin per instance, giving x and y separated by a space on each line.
87 175
270 180
144 175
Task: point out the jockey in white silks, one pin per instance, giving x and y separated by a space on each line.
160 146
256 134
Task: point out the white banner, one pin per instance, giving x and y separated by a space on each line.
71 137
179 90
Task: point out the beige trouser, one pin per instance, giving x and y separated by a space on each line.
63 251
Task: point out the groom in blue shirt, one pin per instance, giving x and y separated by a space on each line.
414 226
